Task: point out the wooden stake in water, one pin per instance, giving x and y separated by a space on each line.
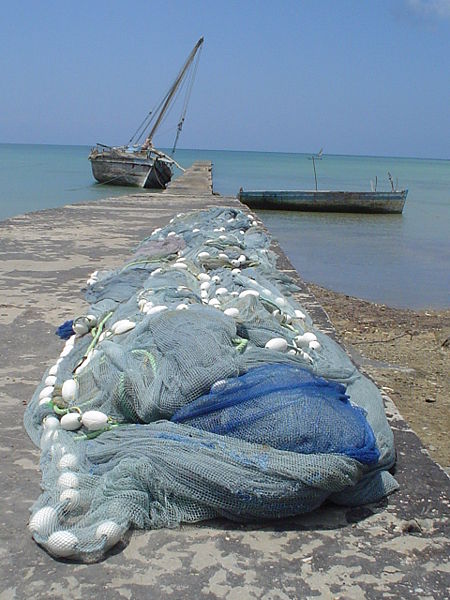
314 158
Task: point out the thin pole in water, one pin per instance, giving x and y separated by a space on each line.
314 167
313 158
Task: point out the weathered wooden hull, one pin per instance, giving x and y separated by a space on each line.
130 171
326 201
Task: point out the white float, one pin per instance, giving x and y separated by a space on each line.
62 543
123 326
68 461
94 420
46 391
51 423
249 293
69 390
68 480
222 290
157 309
111 531
71 496
43 521
45 400
278 344
305 338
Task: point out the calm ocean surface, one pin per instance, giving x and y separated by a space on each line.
400 260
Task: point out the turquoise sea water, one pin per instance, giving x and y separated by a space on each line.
400 260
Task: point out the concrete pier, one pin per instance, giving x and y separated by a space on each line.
397 548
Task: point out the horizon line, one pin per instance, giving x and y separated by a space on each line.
243 151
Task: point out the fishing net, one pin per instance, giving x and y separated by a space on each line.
287 408
195 386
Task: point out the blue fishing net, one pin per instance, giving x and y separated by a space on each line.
194 386
287 408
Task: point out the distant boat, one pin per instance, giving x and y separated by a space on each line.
326 201
142 165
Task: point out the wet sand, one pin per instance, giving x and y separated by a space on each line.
407 353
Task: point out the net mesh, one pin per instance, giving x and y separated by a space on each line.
196 386
287 408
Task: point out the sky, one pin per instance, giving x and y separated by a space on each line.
364 77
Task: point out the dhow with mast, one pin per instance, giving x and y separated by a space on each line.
142 165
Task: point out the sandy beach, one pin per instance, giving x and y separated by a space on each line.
407 353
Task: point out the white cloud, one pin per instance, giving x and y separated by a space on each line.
430 8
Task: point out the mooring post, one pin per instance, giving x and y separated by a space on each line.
314 167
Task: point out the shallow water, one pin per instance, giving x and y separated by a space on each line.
400 260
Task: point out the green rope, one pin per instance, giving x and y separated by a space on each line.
270 302
241 344
93 434
124 403
98 331
143 261
77 407
153 259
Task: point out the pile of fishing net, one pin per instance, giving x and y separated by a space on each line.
194 387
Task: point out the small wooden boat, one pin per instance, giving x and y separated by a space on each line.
326 201
142 165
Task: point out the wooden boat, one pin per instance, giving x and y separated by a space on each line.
142 165
326 201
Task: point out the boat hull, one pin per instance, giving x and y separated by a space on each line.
136 172
326 201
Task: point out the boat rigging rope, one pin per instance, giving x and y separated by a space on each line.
187 97
145 124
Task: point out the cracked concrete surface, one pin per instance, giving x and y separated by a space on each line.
397 548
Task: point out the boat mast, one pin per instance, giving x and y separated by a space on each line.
148 140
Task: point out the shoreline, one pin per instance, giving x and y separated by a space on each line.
407 353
